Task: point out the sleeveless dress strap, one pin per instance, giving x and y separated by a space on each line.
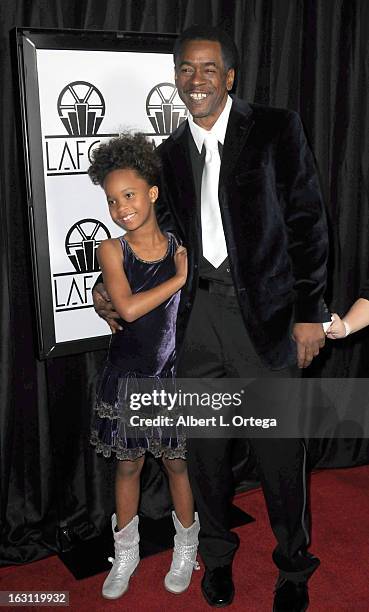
175 240
123 244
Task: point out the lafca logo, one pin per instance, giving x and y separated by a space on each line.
81 108
72 290
165 110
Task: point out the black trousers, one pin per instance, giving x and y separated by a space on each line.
217 345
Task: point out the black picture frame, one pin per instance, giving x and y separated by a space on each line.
27 41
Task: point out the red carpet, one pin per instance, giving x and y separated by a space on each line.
340 505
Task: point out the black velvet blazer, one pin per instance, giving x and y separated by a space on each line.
364 290
273 218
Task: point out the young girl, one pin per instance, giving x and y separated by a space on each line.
143 272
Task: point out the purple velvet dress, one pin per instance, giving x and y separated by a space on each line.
141 359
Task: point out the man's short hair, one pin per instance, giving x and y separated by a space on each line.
198 32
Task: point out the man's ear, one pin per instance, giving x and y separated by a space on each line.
230 79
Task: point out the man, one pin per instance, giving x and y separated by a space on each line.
249 210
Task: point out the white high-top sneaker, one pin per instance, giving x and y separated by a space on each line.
126 558
184 561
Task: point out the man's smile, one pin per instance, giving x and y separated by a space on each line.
198 96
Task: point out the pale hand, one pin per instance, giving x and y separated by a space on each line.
337 329
180 261
104 307
310 338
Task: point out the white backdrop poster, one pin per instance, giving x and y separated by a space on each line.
87 97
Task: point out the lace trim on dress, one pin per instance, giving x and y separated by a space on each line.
111 430
156 448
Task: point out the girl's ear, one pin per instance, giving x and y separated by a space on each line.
153 193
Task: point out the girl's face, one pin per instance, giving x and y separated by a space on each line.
130 198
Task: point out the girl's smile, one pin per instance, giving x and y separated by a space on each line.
128 218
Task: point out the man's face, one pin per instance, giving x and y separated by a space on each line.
202 81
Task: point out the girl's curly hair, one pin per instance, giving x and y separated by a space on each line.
128 150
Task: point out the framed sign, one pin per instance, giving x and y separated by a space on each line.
78 89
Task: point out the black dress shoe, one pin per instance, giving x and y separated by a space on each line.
291 596
217 586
